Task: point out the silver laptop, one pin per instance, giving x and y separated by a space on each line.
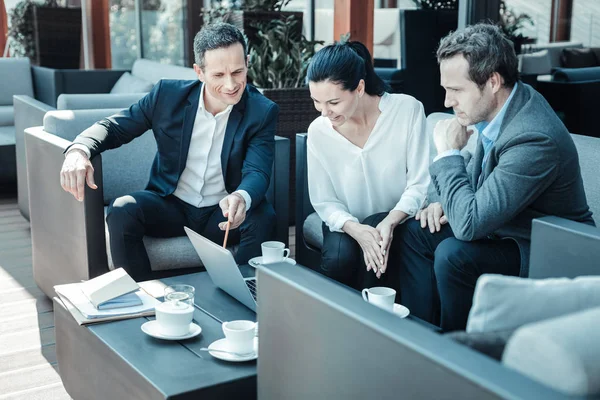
223 270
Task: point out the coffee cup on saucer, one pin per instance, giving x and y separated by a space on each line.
382 297
273 252
240 335
175 314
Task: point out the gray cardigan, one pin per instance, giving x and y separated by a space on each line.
532 171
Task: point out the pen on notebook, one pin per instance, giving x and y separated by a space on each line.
226 234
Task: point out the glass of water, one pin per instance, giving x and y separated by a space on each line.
180 293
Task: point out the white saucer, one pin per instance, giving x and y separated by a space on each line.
222 344
152 328
256 261
401 311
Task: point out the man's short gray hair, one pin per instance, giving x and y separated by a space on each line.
486 49
217 36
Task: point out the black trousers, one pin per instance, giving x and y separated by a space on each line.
342 259
438 272
142 213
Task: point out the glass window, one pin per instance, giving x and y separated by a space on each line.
163 27
540 11
585 25
123 40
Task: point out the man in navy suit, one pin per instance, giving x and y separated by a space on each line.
215 140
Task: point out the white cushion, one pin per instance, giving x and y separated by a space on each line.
153 71
128 83
561 352
536 63
507 302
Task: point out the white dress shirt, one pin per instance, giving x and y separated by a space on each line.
201 183
347 183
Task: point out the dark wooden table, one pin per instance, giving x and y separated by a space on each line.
116 360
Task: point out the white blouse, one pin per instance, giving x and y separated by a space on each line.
347 183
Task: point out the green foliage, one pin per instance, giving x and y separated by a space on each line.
221 10
512 22
280 57
264 5
21 27
437 4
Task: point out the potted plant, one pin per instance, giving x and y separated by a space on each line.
512 23
246 14
48 34
279 59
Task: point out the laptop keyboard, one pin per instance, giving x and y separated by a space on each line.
251 283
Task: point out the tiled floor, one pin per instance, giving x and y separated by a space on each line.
28 368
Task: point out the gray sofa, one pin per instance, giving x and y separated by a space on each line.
309 237
366 350
69 237
16 80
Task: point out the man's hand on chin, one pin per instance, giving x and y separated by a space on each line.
449 134
234 209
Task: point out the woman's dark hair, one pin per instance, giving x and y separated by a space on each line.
346 64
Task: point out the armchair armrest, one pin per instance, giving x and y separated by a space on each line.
303 206
67 236
563 248
28 112
306 254
278 192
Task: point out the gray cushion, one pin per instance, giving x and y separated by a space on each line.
96 101
536 63
7 117
164 253
19 82
7 136
128 83
154 71
124 171
313 231
588 149
507 302
562 352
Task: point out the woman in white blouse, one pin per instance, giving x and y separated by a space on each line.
368 159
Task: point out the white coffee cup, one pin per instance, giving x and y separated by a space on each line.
240 335
174 317
380 296
273 252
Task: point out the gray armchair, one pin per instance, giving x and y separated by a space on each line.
16 80
30 112
69 237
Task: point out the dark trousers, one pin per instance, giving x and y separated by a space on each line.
438 272
142 213
342 259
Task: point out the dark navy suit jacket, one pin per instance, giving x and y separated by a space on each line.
170 110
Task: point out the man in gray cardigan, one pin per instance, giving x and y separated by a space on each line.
479 221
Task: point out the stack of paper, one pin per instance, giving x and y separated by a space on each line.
99 300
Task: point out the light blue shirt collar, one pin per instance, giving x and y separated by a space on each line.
491 130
